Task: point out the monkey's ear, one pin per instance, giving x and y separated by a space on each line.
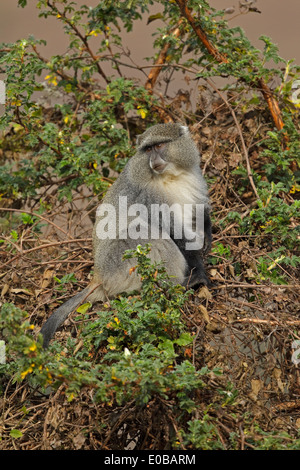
184 130
138 139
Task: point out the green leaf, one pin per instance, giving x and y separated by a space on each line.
84 307
15 433
168 347
157 16
184 339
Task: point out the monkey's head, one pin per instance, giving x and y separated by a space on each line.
168 148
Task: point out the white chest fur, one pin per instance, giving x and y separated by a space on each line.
186 195
182 188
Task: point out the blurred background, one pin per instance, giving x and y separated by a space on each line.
278 19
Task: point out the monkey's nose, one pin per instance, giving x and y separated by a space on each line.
157 163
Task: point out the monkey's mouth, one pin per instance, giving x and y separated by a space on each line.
159 168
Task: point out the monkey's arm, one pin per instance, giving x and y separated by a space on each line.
207 232
196 274
60 315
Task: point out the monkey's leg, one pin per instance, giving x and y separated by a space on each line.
120 276
174 261
195 271
207 232
196 274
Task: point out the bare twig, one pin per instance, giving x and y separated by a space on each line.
187 13
260 84
81 37
162 58
42 247
249 172
268 322
6 209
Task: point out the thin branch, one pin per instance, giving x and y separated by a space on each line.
82 38
34 214
62 74
46 245
272 103
187 13
266 322
42 141
162 58
260 84
244 285
62 242
249 171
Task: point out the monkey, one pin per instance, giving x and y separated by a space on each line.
163 174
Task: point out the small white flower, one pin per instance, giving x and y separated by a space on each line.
127 353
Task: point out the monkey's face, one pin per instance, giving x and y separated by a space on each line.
168 148
157 157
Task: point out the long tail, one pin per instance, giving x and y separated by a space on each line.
61 314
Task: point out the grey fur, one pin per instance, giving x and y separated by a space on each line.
152 176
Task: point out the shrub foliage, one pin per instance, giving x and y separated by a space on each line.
165 368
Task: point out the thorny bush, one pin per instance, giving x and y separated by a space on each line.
165 368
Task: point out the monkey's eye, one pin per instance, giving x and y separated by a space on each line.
158 146
149 148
